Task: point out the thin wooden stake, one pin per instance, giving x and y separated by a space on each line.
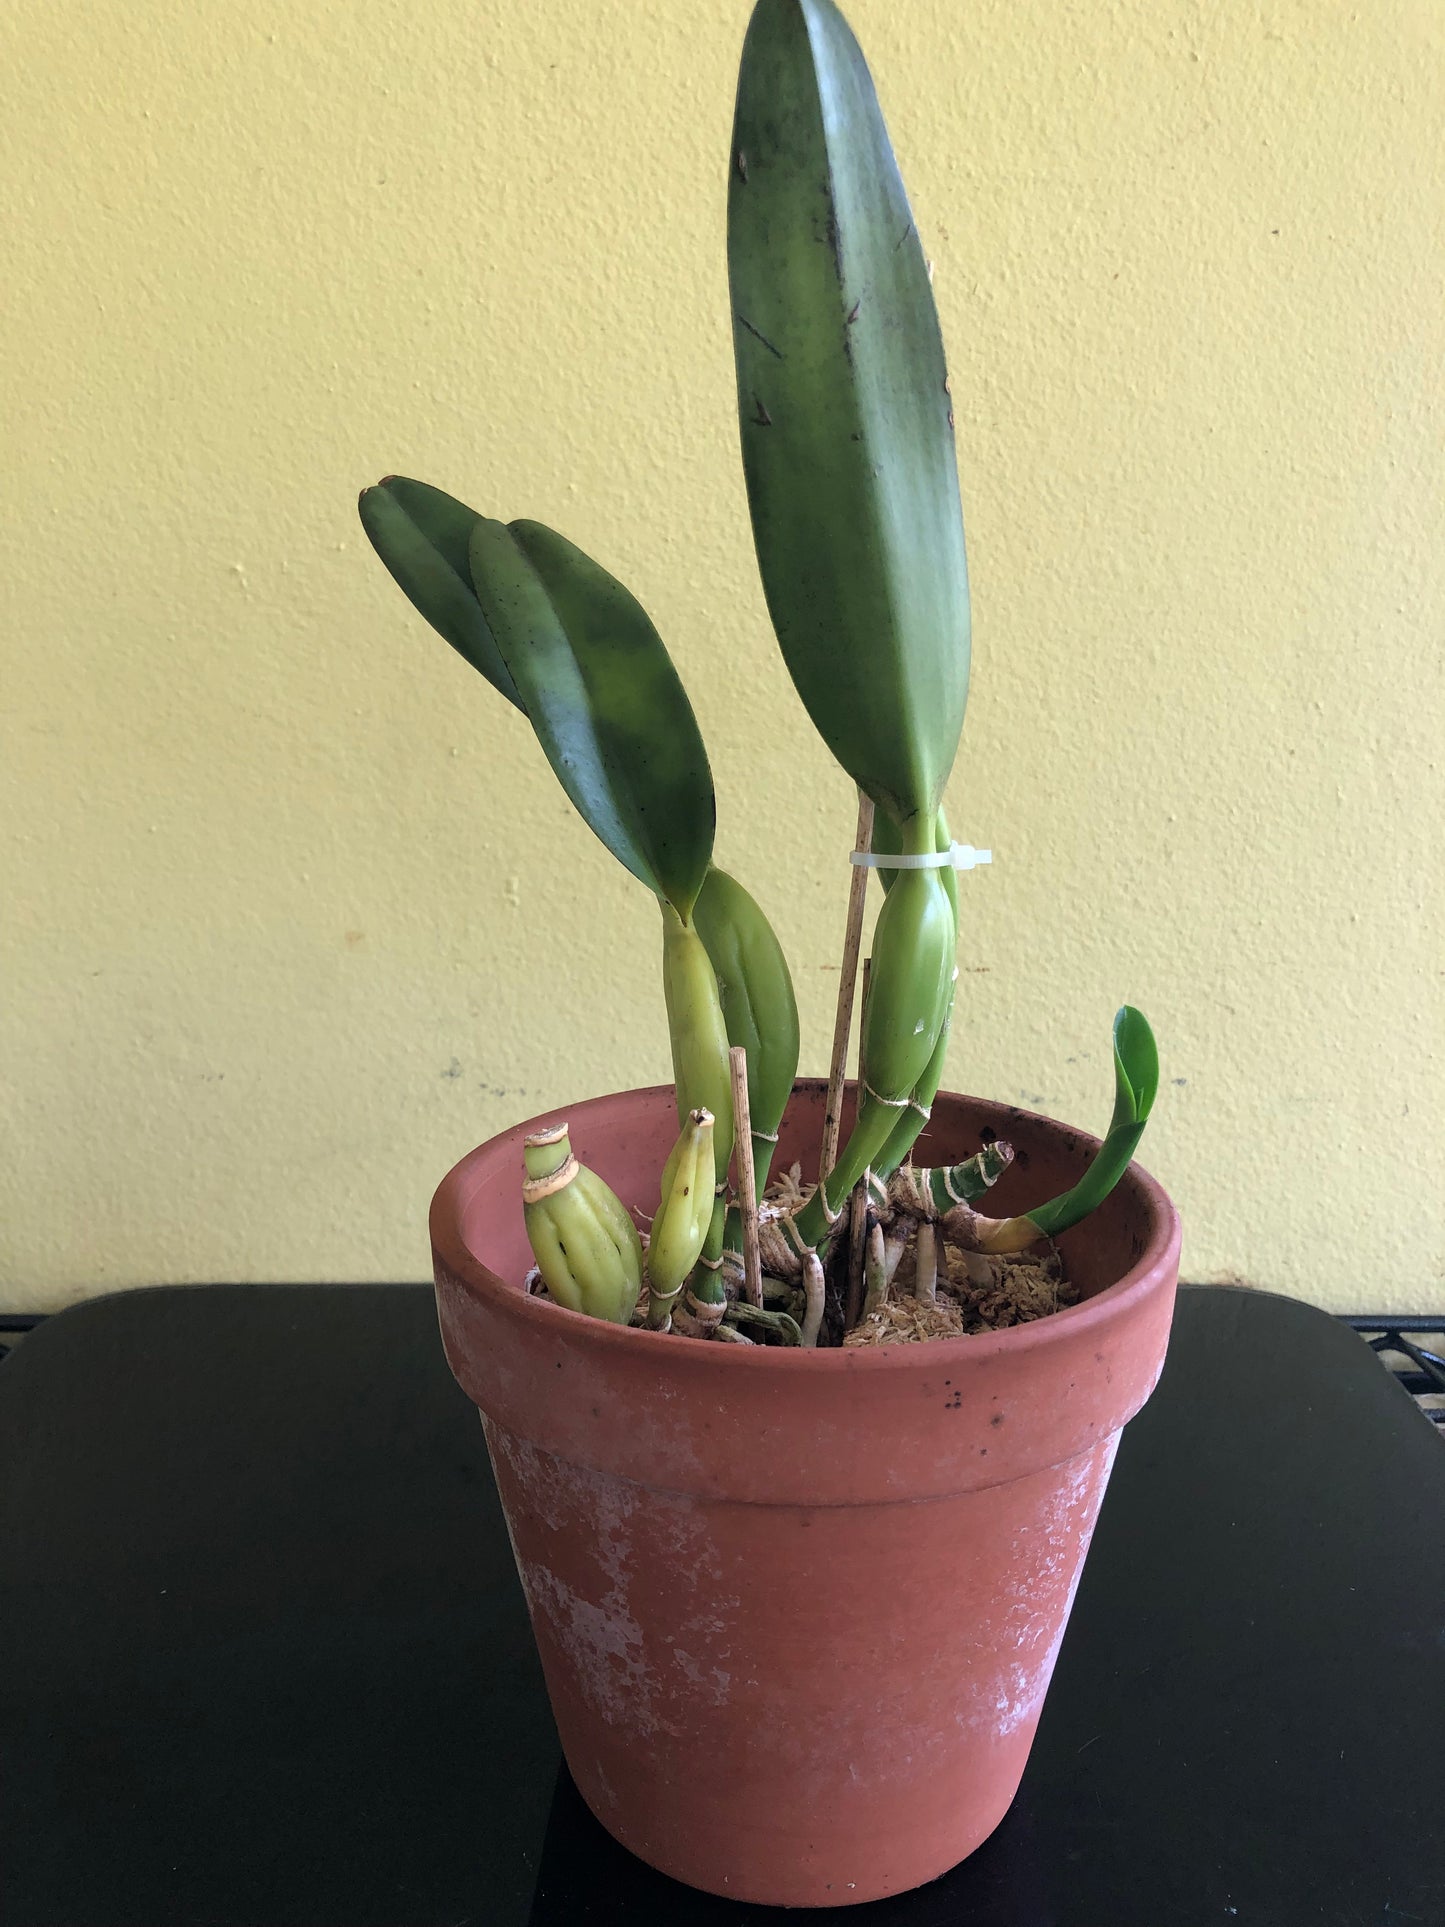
925 1259
863 993
843 1022
747 1176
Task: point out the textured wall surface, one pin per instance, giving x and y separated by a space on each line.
291 911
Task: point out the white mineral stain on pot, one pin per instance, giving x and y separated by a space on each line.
603 1644
603 1789
600 1640
1018 1698
1033 1617
711 1683
626 1666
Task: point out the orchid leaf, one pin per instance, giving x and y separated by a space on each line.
755 988
1136 1082
847 426
422 535
604 699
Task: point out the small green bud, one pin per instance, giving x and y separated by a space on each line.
582 1236
683 1215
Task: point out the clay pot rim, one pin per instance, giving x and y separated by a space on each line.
1155 1266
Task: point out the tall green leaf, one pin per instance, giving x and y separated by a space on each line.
847 430
422 534
604 699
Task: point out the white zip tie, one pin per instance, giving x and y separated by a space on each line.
958 856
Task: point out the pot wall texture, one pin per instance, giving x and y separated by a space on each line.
293 912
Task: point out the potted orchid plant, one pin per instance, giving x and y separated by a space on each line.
725 1350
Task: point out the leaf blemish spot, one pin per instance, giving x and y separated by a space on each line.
758 335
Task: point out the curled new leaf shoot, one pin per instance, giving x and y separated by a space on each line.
1136 1080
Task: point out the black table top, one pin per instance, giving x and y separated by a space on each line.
264 1661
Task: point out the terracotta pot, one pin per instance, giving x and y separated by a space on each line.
798 1610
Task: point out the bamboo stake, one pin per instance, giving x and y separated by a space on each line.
843 1022
747 1176
863 994
925 1282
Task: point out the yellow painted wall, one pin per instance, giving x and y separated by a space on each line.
291 912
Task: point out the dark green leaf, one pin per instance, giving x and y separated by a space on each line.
604 699
421 534
846 421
